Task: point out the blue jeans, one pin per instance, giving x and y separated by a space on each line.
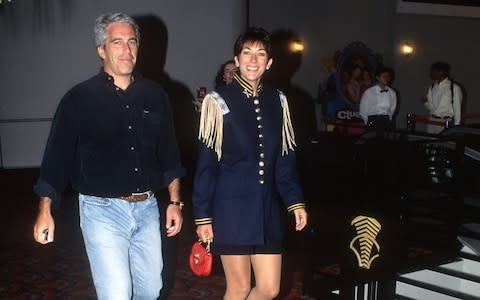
123 245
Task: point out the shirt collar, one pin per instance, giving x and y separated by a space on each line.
445 81
109 78
379 89
247 87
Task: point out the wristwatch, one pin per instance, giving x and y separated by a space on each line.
177 203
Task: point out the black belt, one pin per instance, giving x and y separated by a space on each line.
441 118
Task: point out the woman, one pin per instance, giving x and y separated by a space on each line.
353 86
246 164
225 74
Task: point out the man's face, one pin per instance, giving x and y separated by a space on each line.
384 79
436 74
120 51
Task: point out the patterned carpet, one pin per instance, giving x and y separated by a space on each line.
60 270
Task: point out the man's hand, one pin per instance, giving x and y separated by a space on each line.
44 227
300 218
174 220
174 212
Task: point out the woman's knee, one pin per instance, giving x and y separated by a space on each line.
268 292
238 290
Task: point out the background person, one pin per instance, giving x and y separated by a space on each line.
444 98
225 73
379 102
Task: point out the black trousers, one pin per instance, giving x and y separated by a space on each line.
169 251
379 122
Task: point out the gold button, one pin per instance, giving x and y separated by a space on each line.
259 118
256 102
257 110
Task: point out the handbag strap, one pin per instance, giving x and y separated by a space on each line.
206 245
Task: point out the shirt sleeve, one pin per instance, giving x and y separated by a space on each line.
58 159
168 154
287 181
428 104
204 185
363 110
393 107
457 104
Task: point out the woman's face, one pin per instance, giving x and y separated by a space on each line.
252 62
228 72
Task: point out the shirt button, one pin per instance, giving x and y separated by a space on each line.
129 127
132 148
127 106
136 169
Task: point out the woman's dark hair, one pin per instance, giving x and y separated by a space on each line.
219 78
253 35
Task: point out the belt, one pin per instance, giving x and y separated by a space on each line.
137 197
441 118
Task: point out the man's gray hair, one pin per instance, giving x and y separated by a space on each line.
102 22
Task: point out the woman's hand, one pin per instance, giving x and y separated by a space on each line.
205 233
300 218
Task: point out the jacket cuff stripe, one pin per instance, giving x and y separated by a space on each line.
295 206
203 221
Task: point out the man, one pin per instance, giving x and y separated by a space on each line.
112 138
379 102
443 99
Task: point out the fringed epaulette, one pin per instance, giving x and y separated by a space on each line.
288 136
211 122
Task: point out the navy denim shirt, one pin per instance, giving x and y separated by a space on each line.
110 142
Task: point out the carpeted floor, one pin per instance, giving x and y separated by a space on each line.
60 270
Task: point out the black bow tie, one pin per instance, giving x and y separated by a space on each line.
384 91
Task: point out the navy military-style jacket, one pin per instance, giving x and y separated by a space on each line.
240 189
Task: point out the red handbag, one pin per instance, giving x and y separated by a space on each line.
201 259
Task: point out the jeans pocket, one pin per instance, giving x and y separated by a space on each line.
93 200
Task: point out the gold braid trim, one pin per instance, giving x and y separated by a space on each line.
288 136
211 122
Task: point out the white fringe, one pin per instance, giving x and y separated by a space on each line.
211 125
288 136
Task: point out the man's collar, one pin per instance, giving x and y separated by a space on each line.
135 76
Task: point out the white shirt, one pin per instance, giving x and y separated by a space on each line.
376 102
439 100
